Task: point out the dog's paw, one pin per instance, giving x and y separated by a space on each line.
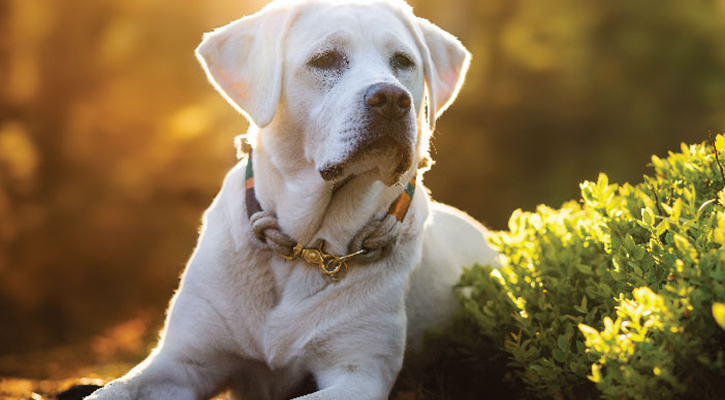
111 391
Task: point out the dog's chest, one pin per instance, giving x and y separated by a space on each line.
290 323
295 280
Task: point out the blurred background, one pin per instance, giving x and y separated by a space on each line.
112 142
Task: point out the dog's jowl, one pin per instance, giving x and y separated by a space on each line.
323 254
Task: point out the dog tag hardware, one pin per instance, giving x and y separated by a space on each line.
330 265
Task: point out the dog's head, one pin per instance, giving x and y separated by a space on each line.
355 85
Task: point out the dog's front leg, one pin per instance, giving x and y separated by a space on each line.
188 364
155 379
360 359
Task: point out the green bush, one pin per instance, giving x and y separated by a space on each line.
616 296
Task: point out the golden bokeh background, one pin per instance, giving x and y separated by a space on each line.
112 142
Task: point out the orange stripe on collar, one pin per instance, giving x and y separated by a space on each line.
400 206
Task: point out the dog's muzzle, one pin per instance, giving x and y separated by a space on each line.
387 135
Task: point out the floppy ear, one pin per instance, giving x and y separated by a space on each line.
445 62
243 60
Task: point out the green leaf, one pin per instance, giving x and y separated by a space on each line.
563 343
648 217
662 227
602 181
684 246
719 143
596 375
589 332
718 312
585 269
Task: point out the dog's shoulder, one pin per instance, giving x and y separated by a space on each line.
232 190
227 213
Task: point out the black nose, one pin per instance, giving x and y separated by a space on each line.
387 100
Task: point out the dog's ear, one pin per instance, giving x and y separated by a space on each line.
243 60
445 62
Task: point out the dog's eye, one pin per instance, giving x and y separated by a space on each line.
402 61
331 60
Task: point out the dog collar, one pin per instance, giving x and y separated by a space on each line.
371 243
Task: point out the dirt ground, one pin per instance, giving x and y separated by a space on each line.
67 389
76 389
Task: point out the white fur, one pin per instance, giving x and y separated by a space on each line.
247 319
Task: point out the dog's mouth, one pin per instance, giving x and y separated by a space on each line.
384 158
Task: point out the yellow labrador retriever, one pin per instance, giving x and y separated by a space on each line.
323 254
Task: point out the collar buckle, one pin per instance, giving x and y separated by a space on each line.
329 264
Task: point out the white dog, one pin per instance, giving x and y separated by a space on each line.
328 259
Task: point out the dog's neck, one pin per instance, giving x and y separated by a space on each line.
306 205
